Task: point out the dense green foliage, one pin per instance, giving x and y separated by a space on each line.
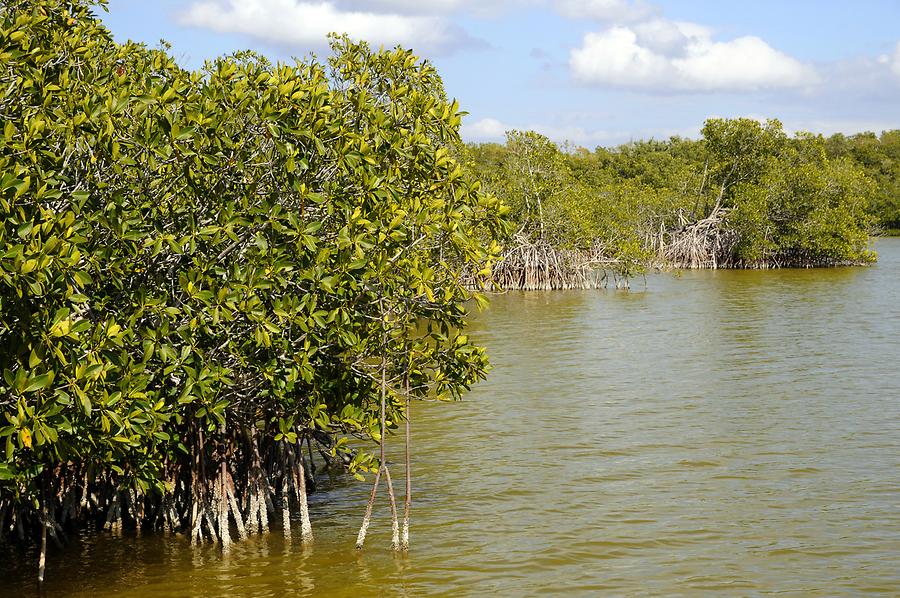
198 270
879 157
745 195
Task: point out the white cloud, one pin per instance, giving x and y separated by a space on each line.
668 37
486 129
615 57
671 55
424 25
414 6
294 23
743 63
605 10
431 7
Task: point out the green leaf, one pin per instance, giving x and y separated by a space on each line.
83 278
39 382
6 473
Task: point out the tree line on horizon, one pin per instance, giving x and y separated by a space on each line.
744 195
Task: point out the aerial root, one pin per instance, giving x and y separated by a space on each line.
538 266
395 527
364 528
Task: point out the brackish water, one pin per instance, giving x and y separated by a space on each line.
709 433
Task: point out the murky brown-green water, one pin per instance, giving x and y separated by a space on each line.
714 433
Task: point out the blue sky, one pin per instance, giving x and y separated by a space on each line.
593 72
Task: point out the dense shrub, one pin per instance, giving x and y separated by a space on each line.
200 270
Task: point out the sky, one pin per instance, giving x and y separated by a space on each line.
590 72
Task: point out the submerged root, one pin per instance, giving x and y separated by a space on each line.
114 514
285 506
219 493
538 266
299 481
221 500
259 492
235 510
42 559
705 243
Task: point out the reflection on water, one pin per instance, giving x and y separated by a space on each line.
717 433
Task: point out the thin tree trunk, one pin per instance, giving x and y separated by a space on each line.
312 464
42 560
395 527
286 500
361 538
236 513
222 507
306 534
407 500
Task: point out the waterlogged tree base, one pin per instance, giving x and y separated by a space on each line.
528 266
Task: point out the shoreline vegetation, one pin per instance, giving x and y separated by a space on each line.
745 195
208 277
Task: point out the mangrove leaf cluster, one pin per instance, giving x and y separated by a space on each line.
879 157
201 271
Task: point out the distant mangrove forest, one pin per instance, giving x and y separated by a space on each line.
745 195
